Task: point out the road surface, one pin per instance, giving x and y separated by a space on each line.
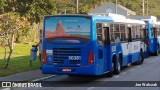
148 71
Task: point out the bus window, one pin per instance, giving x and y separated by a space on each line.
145 33
126 32
135 32
142 33
106 36
138 32
129 34
122 32
99 33
155 32
112 37
152 32
158 32
117 33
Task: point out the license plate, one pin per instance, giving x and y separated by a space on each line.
66 70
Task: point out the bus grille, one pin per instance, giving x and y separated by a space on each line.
61 55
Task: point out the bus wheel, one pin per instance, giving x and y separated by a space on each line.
118 64
141 59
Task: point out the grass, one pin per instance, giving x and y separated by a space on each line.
19 62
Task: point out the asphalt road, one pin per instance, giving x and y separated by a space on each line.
148 71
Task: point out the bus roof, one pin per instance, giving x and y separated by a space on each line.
133 21
109 18
119 19
69 15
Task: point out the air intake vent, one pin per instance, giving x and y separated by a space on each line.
69 55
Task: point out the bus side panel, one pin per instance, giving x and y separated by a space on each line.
158 43
125 52
155 40
108 58
145 48
152 45
134 49
152 40
99 59
116 50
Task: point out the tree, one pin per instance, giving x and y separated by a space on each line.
2 5
34 10
10 24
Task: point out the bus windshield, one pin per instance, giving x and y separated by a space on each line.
67 29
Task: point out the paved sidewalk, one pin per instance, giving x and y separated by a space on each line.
24 76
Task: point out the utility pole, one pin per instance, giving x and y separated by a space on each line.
116 6
143 7
147 7
76 6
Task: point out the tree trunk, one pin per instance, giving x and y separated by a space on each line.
7 62
10 44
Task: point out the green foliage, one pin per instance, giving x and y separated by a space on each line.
34 10
19 60
29 37
12 23
2 5
9 24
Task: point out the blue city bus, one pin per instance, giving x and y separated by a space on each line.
157 32
91 44
153 36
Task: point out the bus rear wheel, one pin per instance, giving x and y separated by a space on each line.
141 59
117 66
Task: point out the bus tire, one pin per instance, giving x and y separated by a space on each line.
141 59
118 65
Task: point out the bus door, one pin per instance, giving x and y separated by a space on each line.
100 50
154 32
158 37
155 38
144 38
153 43
130 56
102 35
106 48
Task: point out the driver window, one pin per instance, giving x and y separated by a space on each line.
117 33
